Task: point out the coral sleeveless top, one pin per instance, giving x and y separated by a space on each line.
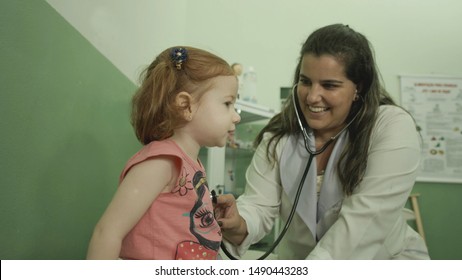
179 224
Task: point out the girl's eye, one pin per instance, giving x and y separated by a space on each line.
228 104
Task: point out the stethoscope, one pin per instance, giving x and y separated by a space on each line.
303 127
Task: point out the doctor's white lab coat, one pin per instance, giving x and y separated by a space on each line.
366 225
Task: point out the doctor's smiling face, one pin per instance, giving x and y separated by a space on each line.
325 94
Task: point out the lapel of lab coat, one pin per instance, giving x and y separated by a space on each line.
294 158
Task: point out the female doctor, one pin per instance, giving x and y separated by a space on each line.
359 150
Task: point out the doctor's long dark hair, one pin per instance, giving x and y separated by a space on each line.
355 52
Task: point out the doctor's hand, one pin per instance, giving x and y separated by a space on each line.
232 225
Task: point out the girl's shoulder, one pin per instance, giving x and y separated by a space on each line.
164 148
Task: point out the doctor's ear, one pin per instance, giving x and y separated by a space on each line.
359 88
357 93
183 101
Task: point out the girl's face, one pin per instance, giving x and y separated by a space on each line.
325 94
215 117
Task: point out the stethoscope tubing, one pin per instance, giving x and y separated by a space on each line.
289 219
300 186
312 154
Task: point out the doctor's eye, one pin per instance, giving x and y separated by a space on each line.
304 81
329 86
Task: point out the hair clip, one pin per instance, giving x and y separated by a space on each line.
178 56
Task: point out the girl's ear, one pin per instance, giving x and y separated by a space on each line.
183 101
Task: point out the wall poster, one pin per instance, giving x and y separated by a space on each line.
435 102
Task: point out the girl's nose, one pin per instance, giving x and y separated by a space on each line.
236 117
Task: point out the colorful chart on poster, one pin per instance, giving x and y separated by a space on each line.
435 102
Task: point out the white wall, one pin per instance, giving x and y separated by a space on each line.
409 36
129 33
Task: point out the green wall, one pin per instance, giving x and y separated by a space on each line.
441 213
65 137
64 118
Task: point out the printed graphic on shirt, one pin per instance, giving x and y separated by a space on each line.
189 250
202 223
184 185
